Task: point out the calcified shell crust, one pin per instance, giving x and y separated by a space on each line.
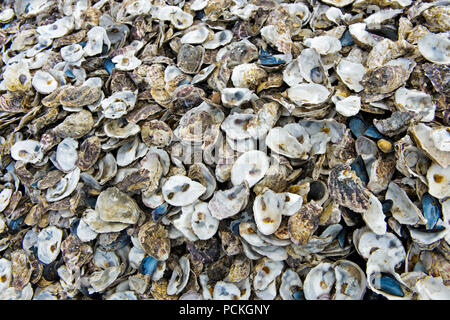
226 150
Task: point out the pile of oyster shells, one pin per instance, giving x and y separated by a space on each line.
224 149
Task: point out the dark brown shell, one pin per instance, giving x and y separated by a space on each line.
302 225
47 118
75 126
75 253
54 98
196 173
240 269
35 214
76 37
159 290
136 181
11 103
206 251
36 270
154 239
143 111
439 76
219 269
347 190
48 140
219 78
120 81
384 79
156 133
21 269
50 179
13 204
230 243
89 152
397 123
190 58
241 52
25 176
382 171
282 232
186 96
155 75
80 96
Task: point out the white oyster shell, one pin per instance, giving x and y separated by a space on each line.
27 151
289 280
72 53
44 82
64 187
251 166
57 29
267 273
204 224
178 281
181 191
374 216
66 154
225 291
359 33
308 93
5 196
267 210
292 141
126 62
100 280
277 37
324 44
319 282
5 274
97 37
234 97
247 75
118 104
403 209
49 244
438 181
351 73
197 36
351 281
434 47
115 206
423 136
441 138
416 101
227 203
220 38
183 222
84 232
348 106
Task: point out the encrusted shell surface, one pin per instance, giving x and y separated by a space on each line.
154 240
116 206
347 189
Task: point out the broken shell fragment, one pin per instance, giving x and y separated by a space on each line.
403 209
